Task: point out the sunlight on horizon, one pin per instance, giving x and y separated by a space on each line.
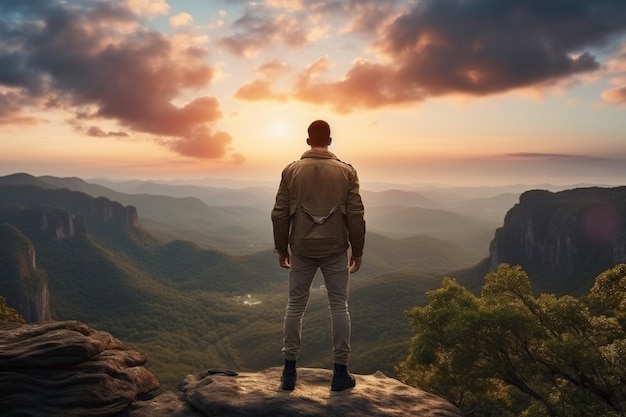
227 90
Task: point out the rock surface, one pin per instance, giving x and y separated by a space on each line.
22 283
66 368
258 394
571 235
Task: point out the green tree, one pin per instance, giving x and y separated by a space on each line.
9 314
509 353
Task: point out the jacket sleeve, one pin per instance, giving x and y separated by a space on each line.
281 217
356 217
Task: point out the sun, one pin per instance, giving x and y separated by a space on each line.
278 129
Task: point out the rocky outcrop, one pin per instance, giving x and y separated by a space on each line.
258 394
59 223
22 283
96 211
67 369
568 233
107 211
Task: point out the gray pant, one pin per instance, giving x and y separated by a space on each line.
336 279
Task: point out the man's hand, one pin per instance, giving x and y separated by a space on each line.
355 264
284 260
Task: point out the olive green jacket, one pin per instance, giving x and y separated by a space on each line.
318 210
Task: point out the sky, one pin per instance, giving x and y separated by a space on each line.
459 92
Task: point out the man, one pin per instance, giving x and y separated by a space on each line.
317 217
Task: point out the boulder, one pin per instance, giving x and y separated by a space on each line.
66 368
258 394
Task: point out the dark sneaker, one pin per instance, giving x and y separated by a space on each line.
342 382
288 380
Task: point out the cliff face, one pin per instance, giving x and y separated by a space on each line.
107 211
60 226
52 224
24 286
96 211
569 234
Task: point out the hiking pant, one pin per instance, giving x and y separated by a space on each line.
337 279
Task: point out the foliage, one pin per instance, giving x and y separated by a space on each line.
509 353
175 301
9 314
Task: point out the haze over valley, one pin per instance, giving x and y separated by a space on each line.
191 277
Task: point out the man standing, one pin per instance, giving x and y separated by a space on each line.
318 215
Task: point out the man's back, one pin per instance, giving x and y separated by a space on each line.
322 196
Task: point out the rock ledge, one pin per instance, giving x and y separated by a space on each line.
258 394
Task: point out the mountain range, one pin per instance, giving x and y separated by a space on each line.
189 276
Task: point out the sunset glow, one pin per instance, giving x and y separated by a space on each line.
157 89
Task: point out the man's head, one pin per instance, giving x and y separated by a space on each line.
319 134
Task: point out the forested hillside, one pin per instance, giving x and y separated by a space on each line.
188 307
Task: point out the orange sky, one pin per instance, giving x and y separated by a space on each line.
459 92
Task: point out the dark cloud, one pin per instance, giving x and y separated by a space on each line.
94 58
11 112
95 131
474 48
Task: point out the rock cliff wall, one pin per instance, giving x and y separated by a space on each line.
568 233
23 285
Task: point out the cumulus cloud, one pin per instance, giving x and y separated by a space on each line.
615 95
95 59
617 68
262 88
261 26
432 48
202 143
181 19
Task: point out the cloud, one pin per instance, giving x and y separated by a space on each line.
261 26
471 48
97 132
202 143
262 88
181 19
259 90
542 156
11 111
616 67
615 95
96 60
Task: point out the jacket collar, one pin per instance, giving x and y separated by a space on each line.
316 153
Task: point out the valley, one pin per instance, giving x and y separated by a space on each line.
167 281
